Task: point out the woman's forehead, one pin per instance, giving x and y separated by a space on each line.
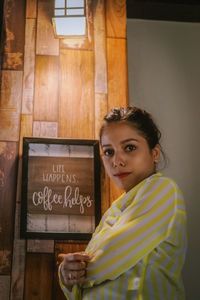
119 131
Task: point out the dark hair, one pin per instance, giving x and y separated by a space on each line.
137 118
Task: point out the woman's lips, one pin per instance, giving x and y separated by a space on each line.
122 175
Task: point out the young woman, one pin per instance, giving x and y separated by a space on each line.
138 249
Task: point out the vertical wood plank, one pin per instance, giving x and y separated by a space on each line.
39 276
101 108
31 8
116 18
26 126
4 287
46 43
46 88
10 105
117 72
45 129
14 34
8 173
76 110
9 124
29 67
11 90
18 263
100 49
40 246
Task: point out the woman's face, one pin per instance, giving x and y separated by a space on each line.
126 156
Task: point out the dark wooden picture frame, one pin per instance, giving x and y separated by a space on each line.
60 188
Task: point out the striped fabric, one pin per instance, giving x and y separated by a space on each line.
139 246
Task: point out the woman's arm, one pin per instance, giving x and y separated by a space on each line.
142 227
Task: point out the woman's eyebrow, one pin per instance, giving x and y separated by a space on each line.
122 142
129 140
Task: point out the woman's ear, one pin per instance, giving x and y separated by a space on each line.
156 153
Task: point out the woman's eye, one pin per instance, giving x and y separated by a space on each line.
108 152
130 148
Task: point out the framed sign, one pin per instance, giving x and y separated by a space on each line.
60 188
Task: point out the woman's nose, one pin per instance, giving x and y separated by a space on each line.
118 161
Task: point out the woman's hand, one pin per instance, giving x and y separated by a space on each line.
73 268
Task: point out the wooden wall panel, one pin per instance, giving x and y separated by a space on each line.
14 34
117 72
31 8
46 88
46 43
39 276
10 105
116 18
76 113
45 129
9 124
18 261
8 174
40 246
29 67
100 49
11 89
19 246
4 287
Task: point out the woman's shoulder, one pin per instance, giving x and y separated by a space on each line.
158 179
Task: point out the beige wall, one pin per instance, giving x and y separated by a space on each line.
164 78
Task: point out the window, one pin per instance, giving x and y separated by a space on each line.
69 18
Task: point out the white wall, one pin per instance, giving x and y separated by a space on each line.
164 78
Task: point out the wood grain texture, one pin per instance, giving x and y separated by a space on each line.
76 109
4 287
101 109
9 124
11 91
29 67
14 34
10 105
26 126
100 49
45 129
8 174
40 246
46 88
116 18
46 43
31 8
117 73
39 276
18 261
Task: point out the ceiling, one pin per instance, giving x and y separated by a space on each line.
170 10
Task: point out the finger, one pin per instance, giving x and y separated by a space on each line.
77 274
74 266
72 277
79 256
76 281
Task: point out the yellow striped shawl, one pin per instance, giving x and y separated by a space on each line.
141 238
